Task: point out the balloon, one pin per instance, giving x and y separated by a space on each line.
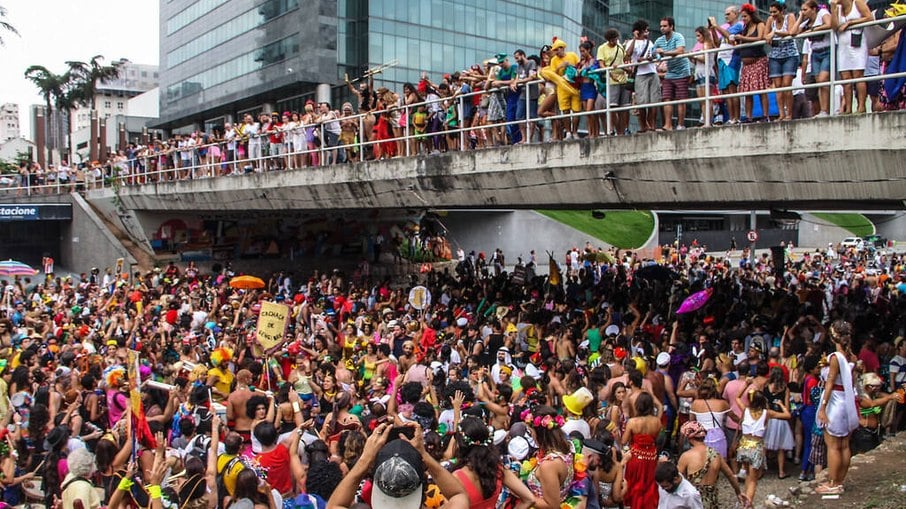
694 301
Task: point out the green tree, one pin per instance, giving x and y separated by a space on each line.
5 26
87 76
51 86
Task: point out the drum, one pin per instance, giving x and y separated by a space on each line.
33 491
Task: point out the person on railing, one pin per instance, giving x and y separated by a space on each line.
588 89
275 142
368 100
286 131
646 83
498 77
349 128
783 61
813 18
386 148
562 73
312 133
704 68
296 133
330 125
675 85
250 130
612 54
852 51
754 75
729 62
527 108
411 97
547 99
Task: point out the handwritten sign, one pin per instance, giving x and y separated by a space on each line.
272 322
419 297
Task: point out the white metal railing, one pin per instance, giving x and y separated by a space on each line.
138 171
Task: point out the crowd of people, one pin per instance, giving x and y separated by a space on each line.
506 99
594 386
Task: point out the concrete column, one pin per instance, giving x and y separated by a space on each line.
145 137
322 93
40 132
122 142
102 139
268 108
93 137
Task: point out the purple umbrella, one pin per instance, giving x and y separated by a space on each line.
694 301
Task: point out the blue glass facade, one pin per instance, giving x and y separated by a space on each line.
222 57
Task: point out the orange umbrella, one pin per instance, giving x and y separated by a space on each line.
246 282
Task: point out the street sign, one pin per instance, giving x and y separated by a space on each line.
752 235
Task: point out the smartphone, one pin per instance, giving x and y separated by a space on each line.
406 431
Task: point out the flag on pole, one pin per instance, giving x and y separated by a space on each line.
553 276
140 427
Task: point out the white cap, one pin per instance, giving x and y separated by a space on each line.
462 321
612 330
663 359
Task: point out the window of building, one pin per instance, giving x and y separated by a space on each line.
119 106
106 104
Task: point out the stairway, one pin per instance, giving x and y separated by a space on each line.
144 260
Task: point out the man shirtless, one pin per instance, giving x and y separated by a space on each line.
237 418
637 385
628 365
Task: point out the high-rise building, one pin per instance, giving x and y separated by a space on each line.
112 97
9 122
220 59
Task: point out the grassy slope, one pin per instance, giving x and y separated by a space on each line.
857 224
627 229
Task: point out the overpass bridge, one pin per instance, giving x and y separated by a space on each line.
846 162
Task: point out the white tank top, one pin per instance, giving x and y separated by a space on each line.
752 427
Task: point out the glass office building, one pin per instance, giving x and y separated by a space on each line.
220 59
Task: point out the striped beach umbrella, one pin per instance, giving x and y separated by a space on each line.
14 268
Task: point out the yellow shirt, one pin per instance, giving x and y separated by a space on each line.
224 382
569 57
612 56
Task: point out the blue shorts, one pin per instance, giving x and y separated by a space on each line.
726 75
700 82
588 92
779 67
820 61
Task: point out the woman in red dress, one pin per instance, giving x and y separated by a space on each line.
641 435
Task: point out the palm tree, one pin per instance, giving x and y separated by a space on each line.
4 26
87 76
51 86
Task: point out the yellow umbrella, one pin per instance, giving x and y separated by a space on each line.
246 282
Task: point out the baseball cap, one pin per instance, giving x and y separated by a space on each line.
399 478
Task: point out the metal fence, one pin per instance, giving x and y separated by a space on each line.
139 171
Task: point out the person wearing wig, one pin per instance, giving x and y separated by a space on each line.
220 377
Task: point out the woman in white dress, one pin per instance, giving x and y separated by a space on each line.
852 51
299 143
837 411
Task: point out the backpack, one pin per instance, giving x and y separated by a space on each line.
199 446
222 492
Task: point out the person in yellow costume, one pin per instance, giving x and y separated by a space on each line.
567 92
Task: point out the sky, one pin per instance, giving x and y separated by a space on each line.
52 32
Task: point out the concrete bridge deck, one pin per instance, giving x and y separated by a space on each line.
846 162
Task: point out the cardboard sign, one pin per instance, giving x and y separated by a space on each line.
272 321
419 297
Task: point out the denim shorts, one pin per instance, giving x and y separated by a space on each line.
779 67
820 61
